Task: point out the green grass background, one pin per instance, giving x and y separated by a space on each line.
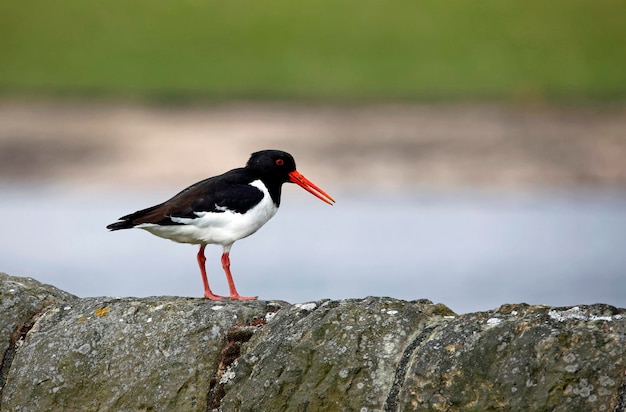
329 50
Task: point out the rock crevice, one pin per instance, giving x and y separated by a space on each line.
391 403
16 339
22 302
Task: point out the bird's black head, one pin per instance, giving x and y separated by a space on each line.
272 164
276 167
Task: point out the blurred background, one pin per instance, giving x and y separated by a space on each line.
476 150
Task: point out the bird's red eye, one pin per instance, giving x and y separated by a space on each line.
279 162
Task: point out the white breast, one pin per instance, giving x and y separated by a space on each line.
223 228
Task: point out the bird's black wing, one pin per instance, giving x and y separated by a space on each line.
231 191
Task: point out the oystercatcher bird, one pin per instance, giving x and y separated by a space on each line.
223 209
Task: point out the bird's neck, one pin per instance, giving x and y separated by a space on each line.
274 188
272 183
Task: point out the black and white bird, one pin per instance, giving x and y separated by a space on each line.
223 209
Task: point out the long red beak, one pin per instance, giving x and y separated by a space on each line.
306 184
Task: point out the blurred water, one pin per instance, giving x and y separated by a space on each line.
471 251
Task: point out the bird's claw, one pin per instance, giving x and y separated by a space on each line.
211 296
239 297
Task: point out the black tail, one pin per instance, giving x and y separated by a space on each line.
134 219
124 224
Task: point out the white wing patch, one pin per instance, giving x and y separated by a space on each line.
218 207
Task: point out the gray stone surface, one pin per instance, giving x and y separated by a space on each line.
156 353
522 358
172 353
328 355
22 300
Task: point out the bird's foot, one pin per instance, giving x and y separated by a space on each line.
239 297
211 296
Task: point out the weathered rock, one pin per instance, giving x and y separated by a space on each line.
22 300
520 357
157 353
328 355
168 353
375 354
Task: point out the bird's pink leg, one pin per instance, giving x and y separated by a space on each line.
207 290
234 295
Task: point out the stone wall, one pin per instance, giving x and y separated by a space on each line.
61 352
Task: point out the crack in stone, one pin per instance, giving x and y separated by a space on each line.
391 404
235 338
621 399
17 338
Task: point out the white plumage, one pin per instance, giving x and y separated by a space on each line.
221 228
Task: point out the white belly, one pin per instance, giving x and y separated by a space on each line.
223 228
